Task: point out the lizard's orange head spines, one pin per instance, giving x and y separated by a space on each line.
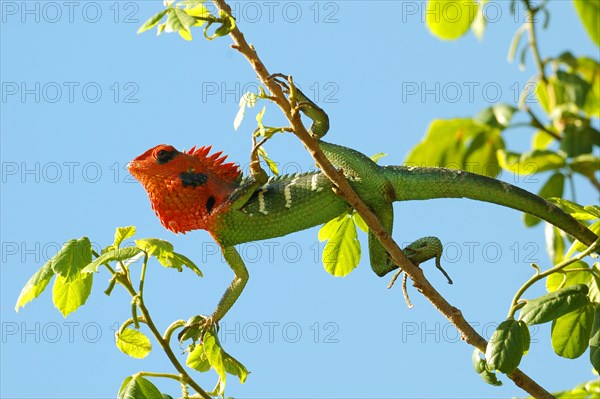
229 172
185 188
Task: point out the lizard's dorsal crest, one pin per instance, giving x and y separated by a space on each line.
228 172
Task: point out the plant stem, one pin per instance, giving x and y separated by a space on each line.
345 191
185 377
514 306
535 122
169 331
165 346
143 275
531 12
161 375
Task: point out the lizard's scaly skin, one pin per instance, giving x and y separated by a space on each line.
193 190
310 200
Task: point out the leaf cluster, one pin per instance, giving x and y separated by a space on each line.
76 264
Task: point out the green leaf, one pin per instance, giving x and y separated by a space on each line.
577 140
594 284
561 280
490 378
270 163
593 210
590 70
72 257
234 367
197 359
481 154
505 348
152 21
198 10
36 284
161 28
178 19
589 12
259 121
342 251
227 25
478 361
214 354
587 390
571 332
179 260
514 44
358 220
526 336
552 188
155 247
595 340
444 143
532 162
185 34
119 254
555 304
570 94
572 89
239 117
555 243
480 367
574 209
585 164
497 116
123 233
68 294
376 157
450 19
541 140
478 25
138 388
133 343
578 245
459 144
163 252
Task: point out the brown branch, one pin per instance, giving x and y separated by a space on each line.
344 190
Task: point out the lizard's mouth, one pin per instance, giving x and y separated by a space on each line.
136 169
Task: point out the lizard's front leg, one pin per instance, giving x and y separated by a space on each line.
195 329
236 263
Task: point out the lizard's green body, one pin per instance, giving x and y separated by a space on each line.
253 209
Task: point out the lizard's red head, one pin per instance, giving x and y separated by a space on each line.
185 188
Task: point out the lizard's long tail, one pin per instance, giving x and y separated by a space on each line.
413 183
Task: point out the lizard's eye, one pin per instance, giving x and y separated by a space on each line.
164 156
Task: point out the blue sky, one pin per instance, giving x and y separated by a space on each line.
82 94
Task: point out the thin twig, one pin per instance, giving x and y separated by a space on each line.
162 342
535 122
514 306
531 12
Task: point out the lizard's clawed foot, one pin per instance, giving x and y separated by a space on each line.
282 80
196 327
418 252
424 249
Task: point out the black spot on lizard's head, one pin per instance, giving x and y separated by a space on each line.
210 204
192 179
164 154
